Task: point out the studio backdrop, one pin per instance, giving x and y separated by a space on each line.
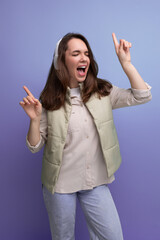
29 32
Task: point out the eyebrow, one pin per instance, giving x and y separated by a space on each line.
78 51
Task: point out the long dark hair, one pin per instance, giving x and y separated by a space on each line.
53 95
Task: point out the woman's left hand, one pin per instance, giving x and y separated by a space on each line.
122 50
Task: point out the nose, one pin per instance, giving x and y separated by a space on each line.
83 57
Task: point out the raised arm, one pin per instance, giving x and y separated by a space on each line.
123 52
33 109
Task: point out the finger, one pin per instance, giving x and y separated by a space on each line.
121 43
116 44
126 44
37 102
22 103
130 44
30 99
27 91
126 48
25 100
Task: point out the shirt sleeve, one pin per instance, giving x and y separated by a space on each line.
43 134
121 97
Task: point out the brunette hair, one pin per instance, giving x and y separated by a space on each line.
53 95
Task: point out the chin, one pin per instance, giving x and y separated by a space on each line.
81 79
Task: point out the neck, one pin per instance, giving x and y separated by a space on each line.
75 85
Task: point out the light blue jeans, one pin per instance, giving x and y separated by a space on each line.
99 209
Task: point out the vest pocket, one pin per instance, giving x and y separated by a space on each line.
113 159
53 149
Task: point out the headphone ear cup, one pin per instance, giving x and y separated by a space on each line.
56 55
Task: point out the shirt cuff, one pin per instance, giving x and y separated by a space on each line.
33 149
142 93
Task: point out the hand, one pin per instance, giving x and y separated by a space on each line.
122 50
31 106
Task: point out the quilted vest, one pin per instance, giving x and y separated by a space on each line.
101 111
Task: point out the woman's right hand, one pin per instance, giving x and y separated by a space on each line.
31 105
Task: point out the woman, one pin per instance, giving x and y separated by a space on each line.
74 120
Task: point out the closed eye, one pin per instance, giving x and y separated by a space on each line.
76 53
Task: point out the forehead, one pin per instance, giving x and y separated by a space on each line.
76 44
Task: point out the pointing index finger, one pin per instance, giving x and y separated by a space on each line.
28 92
115 40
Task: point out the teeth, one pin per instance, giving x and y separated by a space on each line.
82 67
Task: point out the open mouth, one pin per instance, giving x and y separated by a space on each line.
81 70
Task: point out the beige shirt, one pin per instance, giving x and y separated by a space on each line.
83 166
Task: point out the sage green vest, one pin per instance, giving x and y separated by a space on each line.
101 111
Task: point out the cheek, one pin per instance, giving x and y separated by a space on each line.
72 66
69 66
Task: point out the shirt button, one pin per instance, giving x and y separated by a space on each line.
87 137
88 167
85 120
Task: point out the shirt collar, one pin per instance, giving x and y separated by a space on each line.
74 92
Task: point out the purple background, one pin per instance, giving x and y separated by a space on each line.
29 32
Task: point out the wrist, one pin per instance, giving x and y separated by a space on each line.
35 121
127 65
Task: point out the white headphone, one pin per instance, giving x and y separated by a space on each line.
56 55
